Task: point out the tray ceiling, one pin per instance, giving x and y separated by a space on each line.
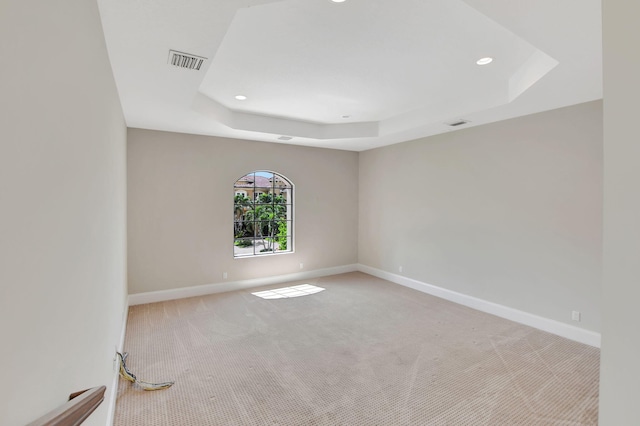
351 75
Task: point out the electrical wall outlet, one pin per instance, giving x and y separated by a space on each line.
224 275
400 269
301 265
575 315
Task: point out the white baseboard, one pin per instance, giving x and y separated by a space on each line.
568 331
201 290
114 383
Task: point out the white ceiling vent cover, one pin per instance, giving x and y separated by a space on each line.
185 60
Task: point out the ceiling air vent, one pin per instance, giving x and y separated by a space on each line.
185 60
285 138
457 123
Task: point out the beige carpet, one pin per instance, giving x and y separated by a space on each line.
362 352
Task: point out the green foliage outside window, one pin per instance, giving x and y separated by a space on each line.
265 219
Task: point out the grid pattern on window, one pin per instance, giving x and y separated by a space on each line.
262 214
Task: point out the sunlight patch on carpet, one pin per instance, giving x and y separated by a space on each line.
286 292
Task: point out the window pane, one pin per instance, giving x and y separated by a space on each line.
265 228
243 230
283 236
263 195
263 179
243 247
246 181
264 245
281 183
285 197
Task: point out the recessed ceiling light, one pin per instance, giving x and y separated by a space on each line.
484 61
241 97
338 1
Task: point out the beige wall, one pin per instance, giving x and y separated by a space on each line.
62 215
180 194
620 366
508 212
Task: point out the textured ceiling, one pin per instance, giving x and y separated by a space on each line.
351 75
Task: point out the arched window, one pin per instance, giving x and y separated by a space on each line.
262 214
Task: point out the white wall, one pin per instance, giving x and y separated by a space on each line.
180 199
620 366
62 207
508 212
